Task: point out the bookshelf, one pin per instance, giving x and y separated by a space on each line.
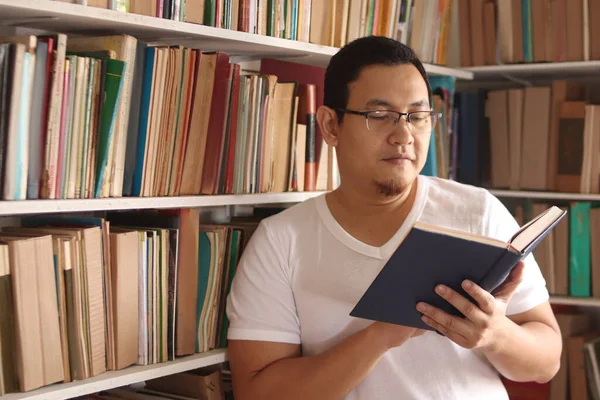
73 18
22 207
76 19
127 376
575 301
538 195
554 70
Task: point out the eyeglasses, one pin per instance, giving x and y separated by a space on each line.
385 121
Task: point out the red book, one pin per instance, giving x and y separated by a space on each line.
233 120
217 124
304 75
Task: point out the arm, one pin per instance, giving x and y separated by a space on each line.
529 346
269 370
523 347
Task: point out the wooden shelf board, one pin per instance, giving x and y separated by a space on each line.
554 69
575 301
534 195
76 19
127 376
21 207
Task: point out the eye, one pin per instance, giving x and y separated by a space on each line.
381 116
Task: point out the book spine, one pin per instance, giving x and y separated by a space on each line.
579 260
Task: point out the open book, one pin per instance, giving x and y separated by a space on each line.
431 255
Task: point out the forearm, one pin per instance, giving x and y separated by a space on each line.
330 375
527 352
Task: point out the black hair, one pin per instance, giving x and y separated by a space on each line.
345 66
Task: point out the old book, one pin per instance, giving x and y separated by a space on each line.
394 293
570 141
125 266
125 48
8 373
534 153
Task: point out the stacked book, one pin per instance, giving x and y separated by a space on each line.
80 296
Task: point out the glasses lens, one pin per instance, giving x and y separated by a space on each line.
423 121
381 121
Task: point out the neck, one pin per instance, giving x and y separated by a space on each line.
367 204
370 218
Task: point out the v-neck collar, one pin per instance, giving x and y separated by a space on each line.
391 245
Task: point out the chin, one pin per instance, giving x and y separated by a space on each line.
393 186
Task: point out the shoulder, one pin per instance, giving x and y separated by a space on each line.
466 207
283 229
292 220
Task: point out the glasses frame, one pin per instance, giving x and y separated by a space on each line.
365 114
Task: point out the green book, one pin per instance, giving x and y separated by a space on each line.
370 17
210 11
113 86
271 18
579 255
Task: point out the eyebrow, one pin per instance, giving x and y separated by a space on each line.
384 103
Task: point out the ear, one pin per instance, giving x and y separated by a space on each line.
328 122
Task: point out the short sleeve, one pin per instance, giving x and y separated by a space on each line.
261 305
532 291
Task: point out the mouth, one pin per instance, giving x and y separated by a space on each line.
398 159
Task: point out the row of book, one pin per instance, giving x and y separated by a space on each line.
533 138
568 258
570 264
80 296
109 116
329 22
522 31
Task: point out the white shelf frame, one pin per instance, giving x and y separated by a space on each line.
23 207
573 68
534 195
124 377
575 301
74 18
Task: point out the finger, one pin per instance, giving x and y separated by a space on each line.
506 290
452 335
471 311
451 323
484 299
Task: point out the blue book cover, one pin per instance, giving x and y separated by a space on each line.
134 117
144 121
527 31
412 272
444 86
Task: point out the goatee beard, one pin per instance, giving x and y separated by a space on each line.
389 188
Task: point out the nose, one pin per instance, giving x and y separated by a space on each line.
401 134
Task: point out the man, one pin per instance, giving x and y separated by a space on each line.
291 336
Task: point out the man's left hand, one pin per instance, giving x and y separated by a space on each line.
482 324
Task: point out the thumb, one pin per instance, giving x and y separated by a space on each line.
505 291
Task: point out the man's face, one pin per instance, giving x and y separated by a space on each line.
387 161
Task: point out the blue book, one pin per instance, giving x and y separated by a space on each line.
138 173
413 271
445 87
527 31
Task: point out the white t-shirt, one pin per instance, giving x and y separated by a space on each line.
302 273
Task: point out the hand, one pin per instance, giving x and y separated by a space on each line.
480 327
392 335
